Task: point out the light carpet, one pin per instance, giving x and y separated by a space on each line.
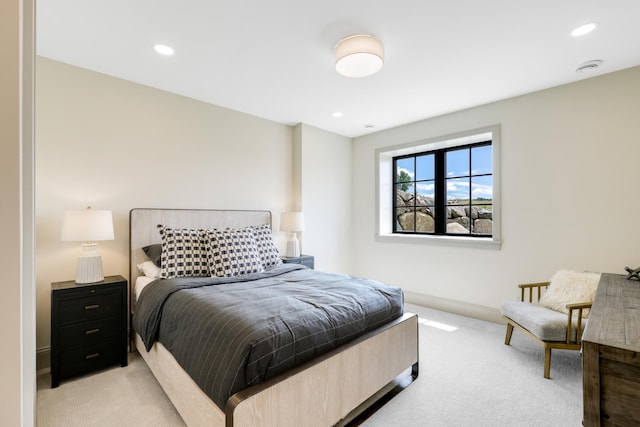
468 377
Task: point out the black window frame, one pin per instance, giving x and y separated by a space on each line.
440 194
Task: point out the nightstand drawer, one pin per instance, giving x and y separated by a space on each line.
96 306
88 333
89 358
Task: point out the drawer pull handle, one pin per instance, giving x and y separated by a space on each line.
91 307
92 356
92 331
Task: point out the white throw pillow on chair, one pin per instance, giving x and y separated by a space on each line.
570 287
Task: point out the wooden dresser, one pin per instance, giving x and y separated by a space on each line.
611 354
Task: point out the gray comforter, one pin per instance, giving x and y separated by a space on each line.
231 333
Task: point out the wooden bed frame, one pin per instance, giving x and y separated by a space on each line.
329 390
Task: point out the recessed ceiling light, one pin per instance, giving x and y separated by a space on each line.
337 114
163 49
584 29
588 66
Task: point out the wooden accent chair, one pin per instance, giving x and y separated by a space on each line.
547 327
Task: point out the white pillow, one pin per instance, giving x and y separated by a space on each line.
149 269
570 287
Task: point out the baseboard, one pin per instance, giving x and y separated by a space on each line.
457 307
43 360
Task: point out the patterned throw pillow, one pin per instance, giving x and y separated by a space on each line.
184 252
233 252
269 254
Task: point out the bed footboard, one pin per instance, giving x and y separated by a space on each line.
328 389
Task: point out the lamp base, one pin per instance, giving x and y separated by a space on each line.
293 247
89 265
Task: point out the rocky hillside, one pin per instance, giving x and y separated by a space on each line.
460 219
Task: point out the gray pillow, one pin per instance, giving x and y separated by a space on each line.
154 253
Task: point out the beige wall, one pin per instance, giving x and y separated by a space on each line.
10 224
17 358
570 177
117 145
322 162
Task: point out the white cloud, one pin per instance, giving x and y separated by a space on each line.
457 173
480 190
411 174
481 171
457 185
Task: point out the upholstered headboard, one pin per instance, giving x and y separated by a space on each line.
143 228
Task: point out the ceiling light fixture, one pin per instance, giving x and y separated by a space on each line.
584 29
589 66
359 55
337 114
163 49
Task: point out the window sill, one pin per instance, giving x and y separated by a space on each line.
465 242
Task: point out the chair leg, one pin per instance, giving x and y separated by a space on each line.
507 338
547 362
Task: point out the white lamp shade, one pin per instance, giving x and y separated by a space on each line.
87 226
359 56
292 221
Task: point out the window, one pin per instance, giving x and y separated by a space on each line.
444 190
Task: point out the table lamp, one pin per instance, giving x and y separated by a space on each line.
292 222
88 226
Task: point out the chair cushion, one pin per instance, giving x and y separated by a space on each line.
544 323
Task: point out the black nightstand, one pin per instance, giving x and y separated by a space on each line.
88 327
302 259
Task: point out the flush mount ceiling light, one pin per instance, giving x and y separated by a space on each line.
359 55
589 66
163 49
584 29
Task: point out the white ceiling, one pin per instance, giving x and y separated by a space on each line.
274 59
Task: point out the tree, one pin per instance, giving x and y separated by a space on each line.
403 179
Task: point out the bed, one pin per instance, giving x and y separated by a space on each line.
328 389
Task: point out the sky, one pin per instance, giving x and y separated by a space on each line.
458 166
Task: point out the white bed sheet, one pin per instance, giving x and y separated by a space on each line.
141 282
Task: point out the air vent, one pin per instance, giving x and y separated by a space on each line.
589 66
